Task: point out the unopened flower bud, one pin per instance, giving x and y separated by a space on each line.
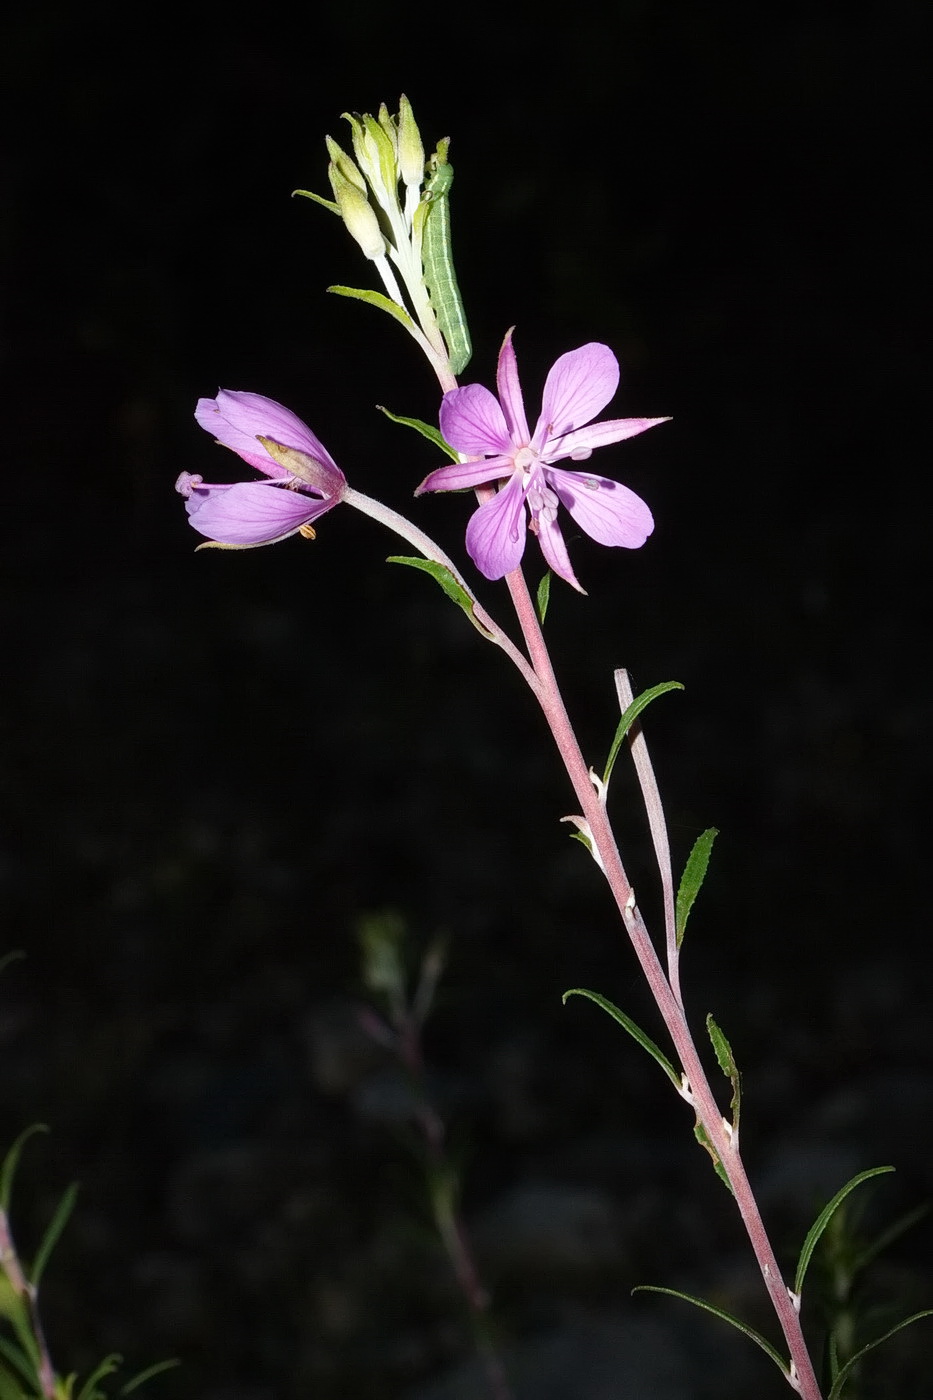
359 216
344 165
375 156
410 148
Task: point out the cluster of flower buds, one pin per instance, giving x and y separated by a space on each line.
378 195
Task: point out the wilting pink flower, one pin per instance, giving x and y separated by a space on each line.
303 480
475 423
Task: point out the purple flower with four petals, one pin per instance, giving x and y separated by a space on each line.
303 479
476 423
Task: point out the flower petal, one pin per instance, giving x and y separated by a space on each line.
578 386
510 392
250 512
495 537
554 550
236 419
581 443
460 476
472 421
609 512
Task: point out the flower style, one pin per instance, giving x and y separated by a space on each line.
303 479
474 422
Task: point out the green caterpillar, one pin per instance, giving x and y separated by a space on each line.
439 274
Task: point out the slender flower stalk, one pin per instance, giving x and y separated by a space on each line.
302 483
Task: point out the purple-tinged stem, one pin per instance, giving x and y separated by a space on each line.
697 1091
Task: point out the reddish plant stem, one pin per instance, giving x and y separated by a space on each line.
801 1376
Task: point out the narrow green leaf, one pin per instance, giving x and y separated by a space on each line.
51 1237
11 1162
724 1316
702 1137
377 299
18 1360
451 586
143 1376
692 879
629 717
106 1367
629 1025
318 199
823 1219
425 429
728 1066
839 1381
28 1349
544 596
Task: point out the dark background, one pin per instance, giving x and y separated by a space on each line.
216 764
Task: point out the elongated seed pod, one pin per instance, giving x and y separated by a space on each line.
439 272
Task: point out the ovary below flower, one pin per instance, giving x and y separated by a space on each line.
302 479
476 423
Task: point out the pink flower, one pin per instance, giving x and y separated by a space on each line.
476 423
303 479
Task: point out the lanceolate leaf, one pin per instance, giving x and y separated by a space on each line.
544 596
823 1219
450 585
728 1066
839 1380
425 429
692 879
11 1161
20 1363
702 1137
378 299
725 1317
629 717
55 1227
143 1376
634 1031
89 1390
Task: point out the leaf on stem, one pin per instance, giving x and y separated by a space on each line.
451 586
379 299
728 1066
629 1025
11 1161
702 1137
425 429
842 1373
724 1317
629 717
544 596
53 1232
142 1377
692 879
823 1219
19 1361
106 1367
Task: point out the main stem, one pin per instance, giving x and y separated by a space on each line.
801 1376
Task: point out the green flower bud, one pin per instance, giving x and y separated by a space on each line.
342 162
358 215
410 148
